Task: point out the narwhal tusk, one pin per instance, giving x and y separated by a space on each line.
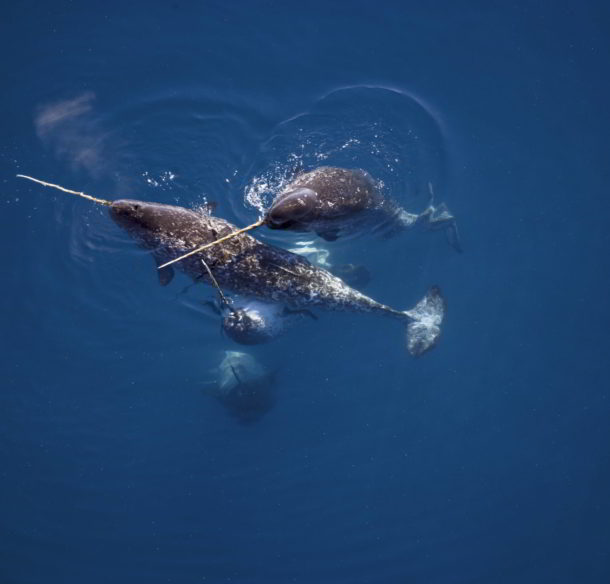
207 245
85 196
223 298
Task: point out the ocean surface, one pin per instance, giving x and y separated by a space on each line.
487 460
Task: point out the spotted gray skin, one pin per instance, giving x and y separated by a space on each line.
331 201
242 265
327 199
246 266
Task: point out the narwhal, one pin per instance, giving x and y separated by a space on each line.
331 201
252 269
243 385
251 322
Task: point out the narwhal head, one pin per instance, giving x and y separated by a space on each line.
152 223
252 324
293 210
135 216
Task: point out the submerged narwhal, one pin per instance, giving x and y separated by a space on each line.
252 269
243 385
251 322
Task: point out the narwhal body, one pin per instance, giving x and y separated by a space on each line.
332 201
245 266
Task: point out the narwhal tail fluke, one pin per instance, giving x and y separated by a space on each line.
425 319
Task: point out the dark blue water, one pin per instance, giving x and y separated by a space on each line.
486 460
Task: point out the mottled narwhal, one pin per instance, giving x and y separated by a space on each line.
331 201
252 269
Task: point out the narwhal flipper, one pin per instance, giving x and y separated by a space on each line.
425 319
453 237
166 274
441 218
354 275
